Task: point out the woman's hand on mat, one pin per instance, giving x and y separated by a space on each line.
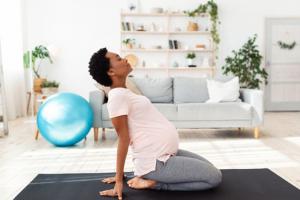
109 180
117 191
119 188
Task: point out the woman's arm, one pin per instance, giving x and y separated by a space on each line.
120 124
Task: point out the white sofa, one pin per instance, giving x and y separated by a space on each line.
182 101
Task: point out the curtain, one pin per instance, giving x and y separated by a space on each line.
12 57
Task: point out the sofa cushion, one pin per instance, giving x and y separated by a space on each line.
214 111
129 84
190 90
169 110
158 90
220 91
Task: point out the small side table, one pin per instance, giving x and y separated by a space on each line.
39 99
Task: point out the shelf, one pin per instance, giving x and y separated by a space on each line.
175 68
191 68
144 32
167 50
169 32
190 50
144 50
190 32
160 15
166 33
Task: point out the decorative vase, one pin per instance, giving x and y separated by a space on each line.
49 90
129 46
175 64
37 82
192 26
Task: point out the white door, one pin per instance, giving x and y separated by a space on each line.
283 64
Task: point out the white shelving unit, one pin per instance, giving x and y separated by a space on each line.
165 50
124 14
168 34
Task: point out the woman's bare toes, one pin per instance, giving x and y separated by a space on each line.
139 183
130 181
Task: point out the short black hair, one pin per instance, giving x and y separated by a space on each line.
99 66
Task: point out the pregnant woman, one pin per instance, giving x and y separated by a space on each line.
158 163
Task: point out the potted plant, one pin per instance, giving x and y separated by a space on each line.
129 42
192 23
190 58
39 53
49 87
210 8
245 63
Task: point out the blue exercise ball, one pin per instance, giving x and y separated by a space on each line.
64 119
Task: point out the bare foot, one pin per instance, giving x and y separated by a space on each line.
109 180
139 183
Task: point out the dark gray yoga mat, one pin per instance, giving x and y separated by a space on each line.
237 184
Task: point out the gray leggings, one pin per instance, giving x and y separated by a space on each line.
186 171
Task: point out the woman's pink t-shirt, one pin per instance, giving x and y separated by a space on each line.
152 136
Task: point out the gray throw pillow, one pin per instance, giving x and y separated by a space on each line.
158 90
190 90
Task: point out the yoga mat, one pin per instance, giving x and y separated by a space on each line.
237 184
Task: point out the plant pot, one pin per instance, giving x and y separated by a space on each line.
192 26
37 82
49 90
190 61
129 46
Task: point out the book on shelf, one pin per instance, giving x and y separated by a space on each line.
175 44
171 44
124 26
132 27
127 26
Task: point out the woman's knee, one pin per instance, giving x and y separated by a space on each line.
216 178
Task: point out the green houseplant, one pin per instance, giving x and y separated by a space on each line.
49 87
210 8
245 63
129 42
30 58
39 53
190 57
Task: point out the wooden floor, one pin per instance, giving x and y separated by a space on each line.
278 148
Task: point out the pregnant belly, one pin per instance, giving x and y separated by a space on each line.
155 145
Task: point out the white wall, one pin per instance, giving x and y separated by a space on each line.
80 27
77 29
243 18
12 51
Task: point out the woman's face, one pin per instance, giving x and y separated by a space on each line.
118 66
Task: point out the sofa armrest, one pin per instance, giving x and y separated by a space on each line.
96 99
255 98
